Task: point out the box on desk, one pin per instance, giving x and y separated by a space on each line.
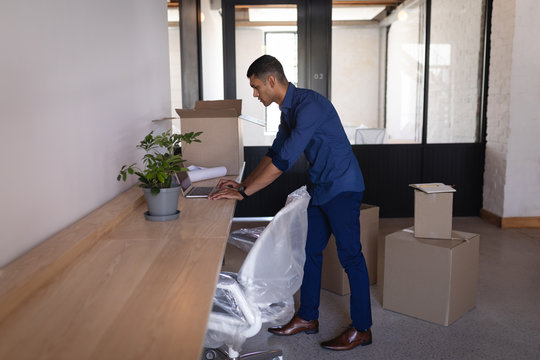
334 277
431 279
433 210
221 141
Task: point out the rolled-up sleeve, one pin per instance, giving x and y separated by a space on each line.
283 131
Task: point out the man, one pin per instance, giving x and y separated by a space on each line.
310 124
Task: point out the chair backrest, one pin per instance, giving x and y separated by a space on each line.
369 136
273 269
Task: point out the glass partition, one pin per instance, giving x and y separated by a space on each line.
405 74
455 71
173 17
212 51
377 76
358 69
268 29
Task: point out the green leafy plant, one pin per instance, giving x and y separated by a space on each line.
160 160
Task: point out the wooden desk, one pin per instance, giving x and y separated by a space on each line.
142 290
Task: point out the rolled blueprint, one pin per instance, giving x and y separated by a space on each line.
197 173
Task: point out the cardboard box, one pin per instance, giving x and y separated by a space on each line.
380 268
334 277
433 210
221 140
431 279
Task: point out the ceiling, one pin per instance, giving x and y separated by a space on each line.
344 11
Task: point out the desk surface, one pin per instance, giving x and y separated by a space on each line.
142 291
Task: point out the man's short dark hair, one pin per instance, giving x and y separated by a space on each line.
265 66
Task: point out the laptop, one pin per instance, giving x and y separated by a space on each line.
190 191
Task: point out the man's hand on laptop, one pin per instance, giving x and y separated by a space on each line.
224 183
226 193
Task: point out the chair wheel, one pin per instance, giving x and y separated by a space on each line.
210 354
213 354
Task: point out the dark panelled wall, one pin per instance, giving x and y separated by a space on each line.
269 200
388 170
461 165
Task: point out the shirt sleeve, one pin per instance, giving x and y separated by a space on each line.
281 135
307 119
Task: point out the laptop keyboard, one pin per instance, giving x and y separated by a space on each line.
201 190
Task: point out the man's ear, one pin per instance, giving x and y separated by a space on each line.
271 81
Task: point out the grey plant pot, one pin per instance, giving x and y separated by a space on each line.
165 203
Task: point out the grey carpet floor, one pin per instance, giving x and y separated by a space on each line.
505 324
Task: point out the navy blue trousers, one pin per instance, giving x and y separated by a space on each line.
339 216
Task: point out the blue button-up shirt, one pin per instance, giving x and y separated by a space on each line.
310 124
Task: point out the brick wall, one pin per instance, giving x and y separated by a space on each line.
512 171
498 111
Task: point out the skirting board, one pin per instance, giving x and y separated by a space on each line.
510 222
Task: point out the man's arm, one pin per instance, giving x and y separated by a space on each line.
234 185
263 175
265 161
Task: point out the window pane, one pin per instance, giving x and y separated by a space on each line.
405 76
264 34
174 60
455 71
283 46
357 69
212 51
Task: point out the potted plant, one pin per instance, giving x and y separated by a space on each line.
161 162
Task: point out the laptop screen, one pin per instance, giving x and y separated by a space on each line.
184 180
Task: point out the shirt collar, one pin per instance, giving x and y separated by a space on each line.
287 101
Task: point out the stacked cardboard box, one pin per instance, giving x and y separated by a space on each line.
221 141
430 271
433 210
334 277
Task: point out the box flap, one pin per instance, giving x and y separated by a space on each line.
457 238
206 113
235 104
432 188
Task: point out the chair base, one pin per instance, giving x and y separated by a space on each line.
220 354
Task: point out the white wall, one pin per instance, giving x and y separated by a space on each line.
81 81
522 192
512 171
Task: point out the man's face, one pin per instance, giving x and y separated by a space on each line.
262 91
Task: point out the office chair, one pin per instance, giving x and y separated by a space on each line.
244 238
369 135
263 289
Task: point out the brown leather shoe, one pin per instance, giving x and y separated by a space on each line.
296 325
349 339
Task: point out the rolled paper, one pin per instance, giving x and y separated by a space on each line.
197 173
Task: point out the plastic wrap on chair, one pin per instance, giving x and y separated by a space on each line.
245 238
270 275
232 319
277 313
270 279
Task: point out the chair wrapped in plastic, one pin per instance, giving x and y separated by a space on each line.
244 238
263 289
